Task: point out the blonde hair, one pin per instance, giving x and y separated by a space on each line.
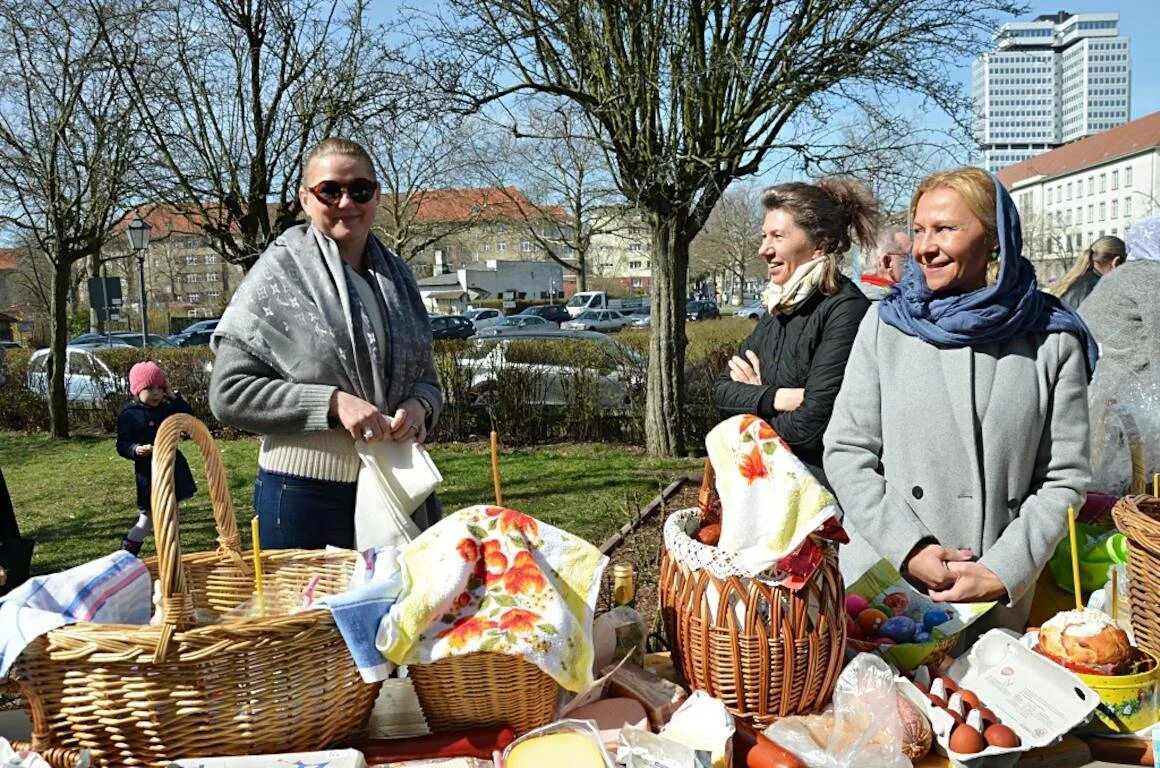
1107 248
339 146
977 189
830 212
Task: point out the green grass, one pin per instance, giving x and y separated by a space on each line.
76 497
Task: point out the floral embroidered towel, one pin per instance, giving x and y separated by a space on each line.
770 501
493 579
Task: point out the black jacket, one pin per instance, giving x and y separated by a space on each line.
137 425
1080 289
808 348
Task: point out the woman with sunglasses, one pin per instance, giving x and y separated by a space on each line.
326 342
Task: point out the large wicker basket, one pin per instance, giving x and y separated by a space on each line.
1138 518
147 695
479 690
782 659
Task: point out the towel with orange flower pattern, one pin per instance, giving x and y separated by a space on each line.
770 501
493 579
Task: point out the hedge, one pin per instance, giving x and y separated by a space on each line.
470 412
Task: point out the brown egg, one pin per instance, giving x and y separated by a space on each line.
1001 736
966 740
987 715
969 698
951 685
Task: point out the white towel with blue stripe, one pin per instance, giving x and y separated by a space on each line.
374 587
114 589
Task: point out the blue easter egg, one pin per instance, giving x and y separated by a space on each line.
922 637
900 629
934 617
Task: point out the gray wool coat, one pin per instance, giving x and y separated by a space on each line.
979 448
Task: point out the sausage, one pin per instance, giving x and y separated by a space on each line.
479 742
767 753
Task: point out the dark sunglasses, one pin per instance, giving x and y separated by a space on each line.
330 193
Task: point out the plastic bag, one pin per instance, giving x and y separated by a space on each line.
861 728
627 628
581 737
1099 549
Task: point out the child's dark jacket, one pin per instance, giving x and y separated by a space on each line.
137 425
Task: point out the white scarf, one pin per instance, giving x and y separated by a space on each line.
782 298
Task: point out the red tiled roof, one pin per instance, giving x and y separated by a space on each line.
1126 139
167 220
7 258
481 204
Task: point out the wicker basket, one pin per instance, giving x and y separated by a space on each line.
1138 518
479 690
761 668
147 695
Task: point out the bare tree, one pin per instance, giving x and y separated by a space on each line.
67 148
692 94
555 155
727 244
232 93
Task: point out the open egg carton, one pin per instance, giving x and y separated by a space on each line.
1002 681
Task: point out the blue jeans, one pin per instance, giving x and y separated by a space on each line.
299 513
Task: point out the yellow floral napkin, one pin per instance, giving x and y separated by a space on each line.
770 501
493 579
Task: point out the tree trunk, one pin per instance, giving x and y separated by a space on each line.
93 269
664 421
582 275
58 359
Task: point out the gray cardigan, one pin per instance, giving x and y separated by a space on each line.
979 448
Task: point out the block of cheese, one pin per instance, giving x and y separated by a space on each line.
558 750
611 715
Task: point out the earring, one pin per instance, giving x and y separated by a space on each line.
995 255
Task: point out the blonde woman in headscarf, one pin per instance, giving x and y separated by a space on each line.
1100 258
790 368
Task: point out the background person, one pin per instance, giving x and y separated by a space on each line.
325 342
960 436
1097 260
790 368
882 265
137 427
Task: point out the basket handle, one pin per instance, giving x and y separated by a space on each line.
707 500
176 602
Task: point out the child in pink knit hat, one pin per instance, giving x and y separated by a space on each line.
152 403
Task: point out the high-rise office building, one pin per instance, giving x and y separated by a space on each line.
1048 82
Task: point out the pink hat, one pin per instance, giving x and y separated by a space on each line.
146 375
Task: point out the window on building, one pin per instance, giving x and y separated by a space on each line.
1115 209
1091 185
1091 214
1128 176
635 264
1115 179
1103 182
1127 206
211 258
193 298
526 246
637 282
191 258
193 277
214 296
211 277
500 247
1103 211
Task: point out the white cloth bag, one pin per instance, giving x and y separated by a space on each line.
394 480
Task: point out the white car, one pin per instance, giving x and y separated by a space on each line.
517 324
604 320
752 311
87 379
483 317
548 368
641 317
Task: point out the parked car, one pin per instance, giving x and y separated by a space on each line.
640 317
201 325
549 360
702 310
130 338
8 344
451 327
553 313
102 342
87 380
191 338
483 317
516 324
604 320
753 311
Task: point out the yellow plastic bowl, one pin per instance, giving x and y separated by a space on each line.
1128 703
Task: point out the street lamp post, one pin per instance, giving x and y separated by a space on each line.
139 242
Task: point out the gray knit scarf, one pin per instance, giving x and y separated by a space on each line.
297 312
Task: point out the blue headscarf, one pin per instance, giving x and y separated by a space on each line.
1012 307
